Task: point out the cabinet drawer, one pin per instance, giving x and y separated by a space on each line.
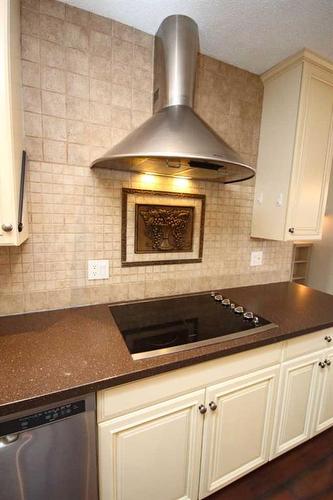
306 344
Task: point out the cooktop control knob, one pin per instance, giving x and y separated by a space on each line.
226 302
248 315
218 298
256 320
232 306
239 310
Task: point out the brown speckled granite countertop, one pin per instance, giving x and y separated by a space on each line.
48 356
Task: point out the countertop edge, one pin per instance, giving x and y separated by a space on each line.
94 386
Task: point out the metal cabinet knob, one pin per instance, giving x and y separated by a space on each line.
7 228
328 338
202 409
322 364
327 362
291 230
212 406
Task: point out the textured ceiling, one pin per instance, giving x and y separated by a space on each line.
251 34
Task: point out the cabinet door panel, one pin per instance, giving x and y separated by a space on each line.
295 403
237 434
275 153
11 124
324 415
153 453
315 157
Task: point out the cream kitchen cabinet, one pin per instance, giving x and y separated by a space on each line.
237 430
305 400
153 453
11 127
189 432
295 149
214 434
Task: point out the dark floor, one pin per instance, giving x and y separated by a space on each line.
302 474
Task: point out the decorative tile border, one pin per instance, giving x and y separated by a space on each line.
129 258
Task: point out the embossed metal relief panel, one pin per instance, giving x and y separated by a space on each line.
163 228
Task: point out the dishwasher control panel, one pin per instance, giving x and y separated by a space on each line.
42 417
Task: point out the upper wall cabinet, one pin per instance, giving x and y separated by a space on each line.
11 127
295 149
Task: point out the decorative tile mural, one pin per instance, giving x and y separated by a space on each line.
161 228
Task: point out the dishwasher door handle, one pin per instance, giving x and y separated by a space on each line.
7 440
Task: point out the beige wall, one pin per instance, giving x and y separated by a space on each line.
321 267
87 82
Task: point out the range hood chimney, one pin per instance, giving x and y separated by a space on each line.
175 141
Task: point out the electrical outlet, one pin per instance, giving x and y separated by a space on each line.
256 258
98 269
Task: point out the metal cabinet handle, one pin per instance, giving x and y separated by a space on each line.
21 195
322 364
327 362
7 228
212 406
202 409
328 338
9 439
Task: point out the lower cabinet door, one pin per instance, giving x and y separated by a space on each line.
324 406
296 401
153 453
238 426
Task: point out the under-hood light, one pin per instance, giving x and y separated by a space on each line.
181 182
148 179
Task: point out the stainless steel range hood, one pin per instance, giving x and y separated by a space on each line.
175 141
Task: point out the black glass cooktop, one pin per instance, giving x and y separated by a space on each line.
162 326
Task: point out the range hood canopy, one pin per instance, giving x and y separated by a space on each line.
175 141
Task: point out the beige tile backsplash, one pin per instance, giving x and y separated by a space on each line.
87 81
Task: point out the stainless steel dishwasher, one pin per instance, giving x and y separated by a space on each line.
49 453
